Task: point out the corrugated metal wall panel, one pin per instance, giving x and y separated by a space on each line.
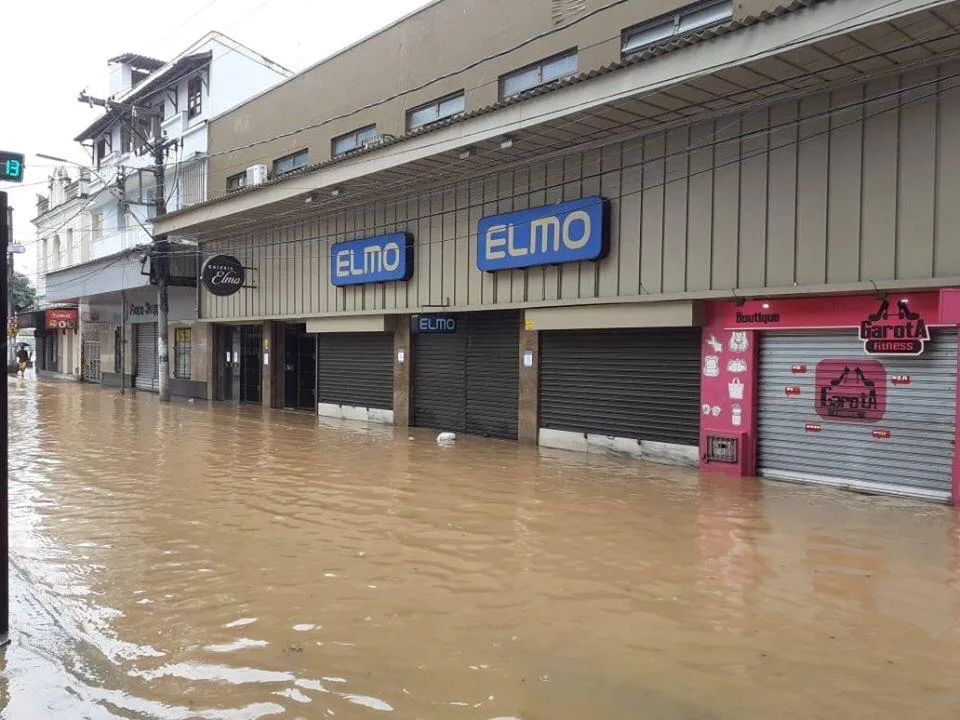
642 384
148 376
920 416
493 374
439 381
789 193
355 369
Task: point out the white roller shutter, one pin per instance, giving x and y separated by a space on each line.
895 435
148 377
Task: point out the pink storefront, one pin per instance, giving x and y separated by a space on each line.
858 391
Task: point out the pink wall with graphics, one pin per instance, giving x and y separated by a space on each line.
729 359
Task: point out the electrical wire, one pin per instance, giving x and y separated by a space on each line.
225 243
395 96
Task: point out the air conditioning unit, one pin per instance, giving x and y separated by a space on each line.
256 175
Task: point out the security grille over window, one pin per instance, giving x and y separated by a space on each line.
685 21
566 10
722 449
181 353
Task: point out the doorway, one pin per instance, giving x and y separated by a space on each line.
240 372
299 368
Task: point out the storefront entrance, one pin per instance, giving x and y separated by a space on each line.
147 372
850 419
240 371
299 368
466 373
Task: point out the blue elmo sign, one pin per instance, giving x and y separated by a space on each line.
567 232
372 260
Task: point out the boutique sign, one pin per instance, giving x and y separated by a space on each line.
573 231
372 260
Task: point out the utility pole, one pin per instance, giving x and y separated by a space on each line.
5 233
160 250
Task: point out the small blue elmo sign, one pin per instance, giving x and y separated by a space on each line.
550 235
372 260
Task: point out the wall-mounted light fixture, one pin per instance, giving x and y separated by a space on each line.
506 142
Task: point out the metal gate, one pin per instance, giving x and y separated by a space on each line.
829 413
642 384
148 376
355 369
90 357
467 381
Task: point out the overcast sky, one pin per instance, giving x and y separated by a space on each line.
54 49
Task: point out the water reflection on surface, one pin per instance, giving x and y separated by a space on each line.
207 561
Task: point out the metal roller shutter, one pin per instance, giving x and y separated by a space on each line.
904 445
493 374
439 381
642 384
355 369
148 375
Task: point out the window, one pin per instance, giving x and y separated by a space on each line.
436 110
96 225
235 182
289 163
545 71
354 140
687 20
101 150
194 95
126 139
181 353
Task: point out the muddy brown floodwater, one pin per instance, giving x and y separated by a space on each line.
209 561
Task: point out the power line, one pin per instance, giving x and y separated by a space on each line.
540 36
740 158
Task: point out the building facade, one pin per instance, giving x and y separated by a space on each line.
716 234
102 271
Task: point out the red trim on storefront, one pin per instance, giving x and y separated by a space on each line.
955 487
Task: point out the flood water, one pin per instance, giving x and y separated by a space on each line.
209 561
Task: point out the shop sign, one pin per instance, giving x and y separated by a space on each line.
380 259
61 319
551 235
223 275
142 312
434 324
887 333
851 390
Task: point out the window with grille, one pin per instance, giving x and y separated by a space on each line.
181 353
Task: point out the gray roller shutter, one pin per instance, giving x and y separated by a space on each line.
796 442
148 376
642 384
355 369
493 374
440 381
467 381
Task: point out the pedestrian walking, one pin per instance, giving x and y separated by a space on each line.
23 359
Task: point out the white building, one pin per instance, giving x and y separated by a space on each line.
100 271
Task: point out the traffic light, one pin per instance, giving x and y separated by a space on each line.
11 166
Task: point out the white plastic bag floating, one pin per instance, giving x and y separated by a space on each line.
711 366
446 438
736 389
739 342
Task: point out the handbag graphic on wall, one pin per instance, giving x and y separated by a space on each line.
739 342
735 389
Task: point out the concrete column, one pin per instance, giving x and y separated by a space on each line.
529 391
402 371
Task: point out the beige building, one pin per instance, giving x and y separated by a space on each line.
704 234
